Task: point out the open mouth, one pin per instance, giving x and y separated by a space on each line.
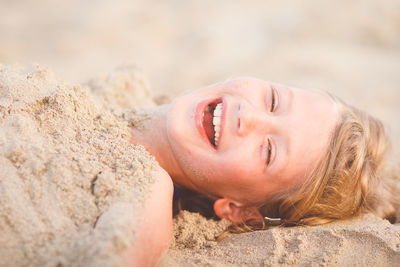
212 121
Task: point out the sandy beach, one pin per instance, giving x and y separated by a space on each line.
351 49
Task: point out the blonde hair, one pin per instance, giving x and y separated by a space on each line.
351 179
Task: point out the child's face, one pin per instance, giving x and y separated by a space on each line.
270 137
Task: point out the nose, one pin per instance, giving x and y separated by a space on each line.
250 119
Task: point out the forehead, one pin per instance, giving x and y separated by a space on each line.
312 117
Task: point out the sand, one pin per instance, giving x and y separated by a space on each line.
193 231
70 180
365 241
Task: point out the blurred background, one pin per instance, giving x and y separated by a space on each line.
348 47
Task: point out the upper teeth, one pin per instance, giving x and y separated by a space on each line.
217 122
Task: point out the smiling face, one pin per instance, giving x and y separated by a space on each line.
270 137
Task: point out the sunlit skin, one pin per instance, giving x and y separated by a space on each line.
272 137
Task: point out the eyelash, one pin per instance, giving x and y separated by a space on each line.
269 152
273 100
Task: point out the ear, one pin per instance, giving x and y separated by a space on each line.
235 211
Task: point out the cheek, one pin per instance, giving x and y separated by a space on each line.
193 170
241 171
178 122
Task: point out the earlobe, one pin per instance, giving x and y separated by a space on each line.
222 208
235 212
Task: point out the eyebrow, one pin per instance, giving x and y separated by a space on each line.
285 93
289 99
289 107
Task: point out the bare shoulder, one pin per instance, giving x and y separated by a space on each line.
163 183
155 230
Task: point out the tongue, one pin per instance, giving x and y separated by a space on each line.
208 126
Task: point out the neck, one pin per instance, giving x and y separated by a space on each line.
152 134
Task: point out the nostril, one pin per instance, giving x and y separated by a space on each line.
238 123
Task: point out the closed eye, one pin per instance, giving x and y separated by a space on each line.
273 100
269 152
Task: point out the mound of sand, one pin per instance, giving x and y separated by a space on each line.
67 170
193 231
365 241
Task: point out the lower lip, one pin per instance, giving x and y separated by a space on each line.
198 117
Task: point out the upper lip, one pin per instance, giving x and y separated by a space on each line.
200 108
